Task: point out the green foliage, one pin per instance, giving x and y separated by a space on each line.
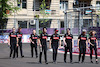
42 9
7 5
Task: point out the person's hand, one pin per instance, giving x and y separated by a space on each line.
92 44
87 47
32 42
97 47
78 47
8 44
17 45
59 47
50 47
72 46
40 45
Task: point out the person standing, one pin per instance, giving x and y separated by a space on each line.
33 40
20 34
13 42
93 45
55 42
43 45
82 45
68 44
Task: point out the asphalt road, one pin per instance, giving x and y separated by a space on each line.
27 61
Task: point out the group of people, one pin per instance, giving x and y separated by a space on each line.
15 40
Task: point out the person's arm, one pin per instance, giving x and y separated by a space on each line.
78 43
72 43
59 43
97 43
90 42
86 44
64 41
50 43
9 40
17 41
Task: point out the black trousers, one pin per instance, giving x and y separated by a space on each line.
95 49
70 50
32 49
43 48
21 52
55 48
13 49
82 50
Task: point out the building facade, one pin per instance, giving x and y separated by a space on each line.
29 8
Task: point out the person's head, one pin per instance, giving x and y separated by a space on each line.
84 32
19 29
44 29
13 29
68 30
34 32
92 33
56 31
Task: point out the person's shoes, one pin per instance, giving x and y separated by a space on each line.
40 62
36 56
91 61
64 61
46 62
97 62
79 62
22 56
71 62
82 62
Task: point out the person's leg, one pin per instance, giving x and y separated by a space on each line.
96 54
41 50
83 57
80 51
70 50
65 54
14 50
21 52
31 50
91 54
36 51
56 53
11 50
17 51
45 53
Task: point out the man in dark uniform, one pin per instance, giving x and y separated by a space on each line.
68 44
20 34
82 44
13 42
33 40
55 42
93 45
43 45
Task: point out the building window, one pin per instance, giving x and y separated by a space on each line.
98 4
63 5
22 24
24 4
62 24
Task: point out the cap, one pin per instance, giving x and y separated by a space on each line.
56 30
84 30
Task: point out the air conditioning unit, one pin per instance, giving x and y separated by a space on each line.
32 22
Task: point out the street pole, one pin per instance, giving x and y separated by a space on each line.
14 16
65 22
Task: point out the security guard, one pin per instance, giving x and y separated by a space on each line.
13 42
20 34
43 45
68 44
55 42
93 45
82 44
33 40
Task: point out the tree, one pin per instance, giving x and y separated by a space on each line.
6 6
42 9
